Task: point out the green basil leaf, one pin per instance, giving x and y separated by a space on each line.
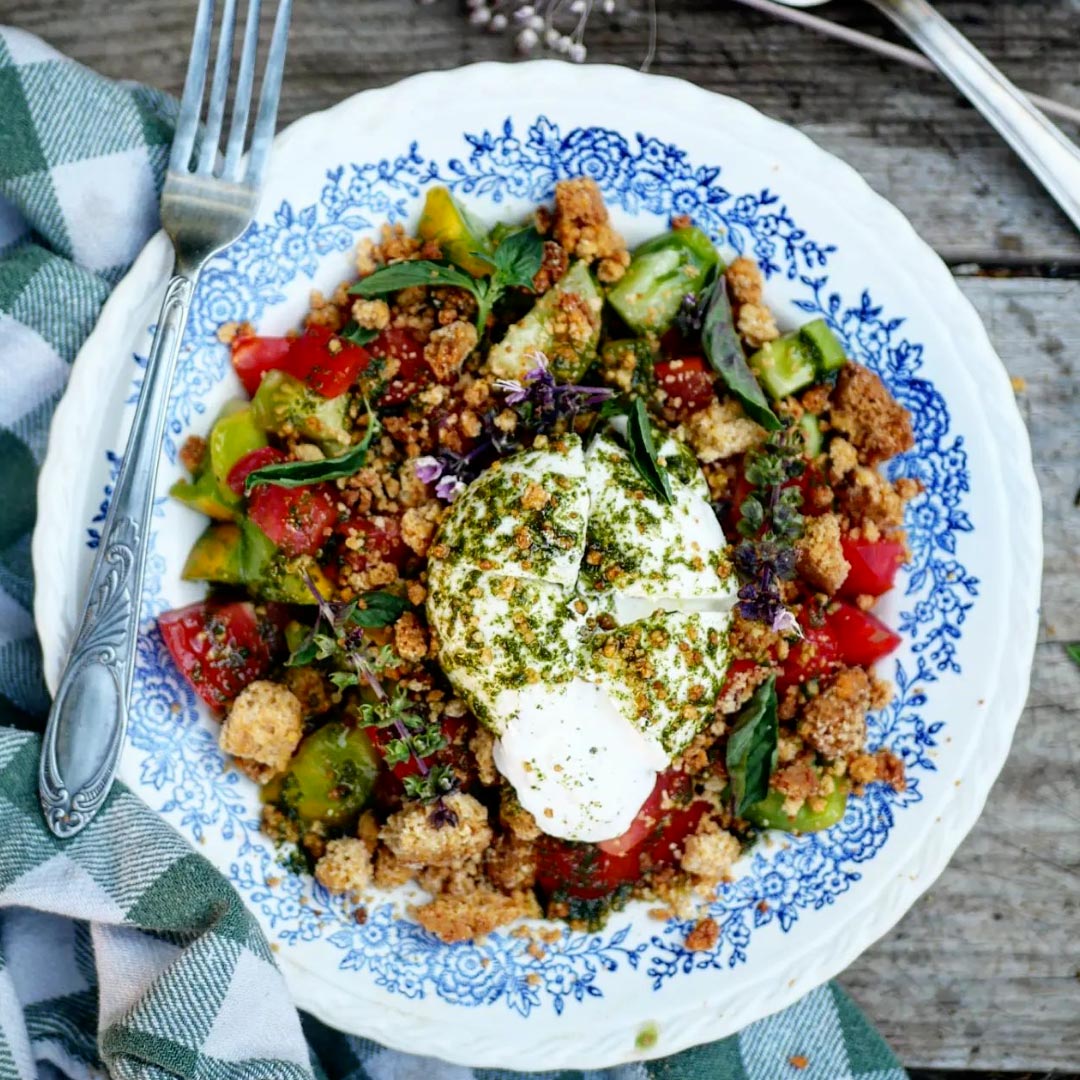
358 335
642 449
518 258
721 343
1074 652
291 474
403 275
306 654
379 609
752 747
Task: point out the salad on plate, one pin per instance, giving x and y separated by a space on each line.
542 572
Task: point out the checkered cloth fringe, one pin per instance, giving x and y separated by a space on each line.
122 952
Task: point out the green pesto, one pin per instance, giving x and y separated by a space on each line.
646 654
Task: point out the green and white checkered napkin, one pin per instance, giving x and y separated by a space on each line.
122 950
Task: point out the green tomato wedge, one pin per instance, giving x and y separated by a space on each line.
283 403
769 813
330 778
216 556
205 495
234 434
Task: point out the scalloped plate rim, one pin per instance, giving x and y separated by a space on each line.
1026 536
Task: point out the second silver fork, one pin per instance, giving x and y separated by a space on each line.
208 200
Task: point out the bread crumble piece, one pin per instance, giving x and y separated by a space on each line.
371 314
263 727
721 430
820 556
745 281
448 346
834 722
756 325
703 937
345 866
582 228
464 918
878 426
410 638
417 841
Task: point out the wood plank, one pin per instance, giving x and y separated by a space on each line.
984 972
905 130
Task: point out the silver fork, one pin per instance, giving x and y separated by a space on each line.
207 202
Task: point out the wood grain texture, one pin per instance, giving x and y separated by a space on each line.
983 973
906 131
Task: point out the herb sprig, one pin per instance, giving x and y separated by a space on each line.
338 634
753 747
515 263
291 474
771 522
642 449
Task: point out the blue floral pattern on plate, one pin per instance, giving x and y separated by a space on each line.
179 757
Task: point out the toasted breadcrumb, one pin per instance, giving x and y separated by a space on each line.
834 722
843 459
390 871
460 879
869 497
511 863
418 525
820 557
862 408
345 866
582 228
310 689
448 346
720 431
514 816
745 281
323 312
709 853
416 840
371 314
263 727
482 745
756 325
463 918
552 267
410 638
703 937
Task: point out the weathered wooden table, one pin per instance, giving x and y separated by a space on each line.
984 973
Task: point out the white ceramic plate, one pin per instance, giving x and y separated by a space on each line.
501 136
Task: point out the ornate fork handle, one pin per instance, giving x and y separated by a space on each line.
1042 146
88 719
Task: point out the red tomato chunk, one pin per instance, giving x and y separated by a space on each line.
297 520
220 647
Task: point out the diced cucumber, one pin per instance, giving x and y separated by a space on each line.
283 404
769 813
663 271
635 356
823 346
541 331
443 219
798 360
810 429
784 366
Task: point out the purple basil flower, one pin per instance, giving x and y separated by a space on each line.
785 623
428 469
449 488
514 391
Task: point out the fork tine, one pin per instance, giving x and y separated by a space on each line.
242 97
187 122
219 91
268 98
